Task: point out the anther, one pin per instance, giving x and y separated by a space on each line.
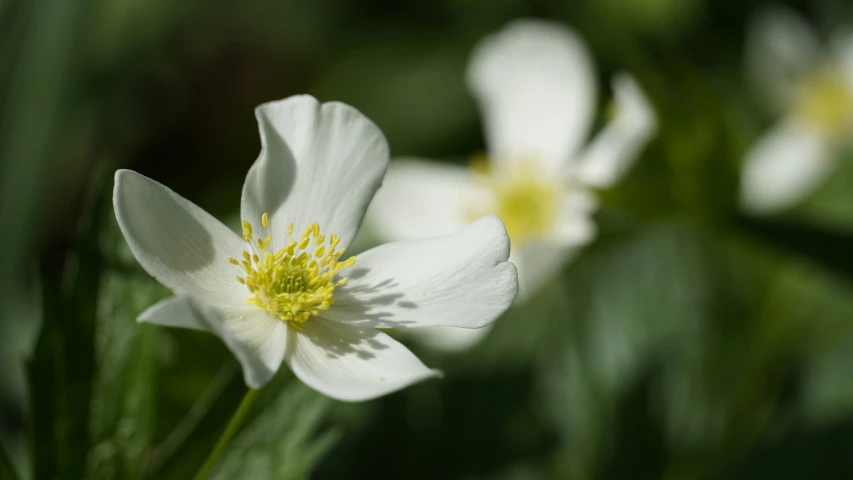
247 231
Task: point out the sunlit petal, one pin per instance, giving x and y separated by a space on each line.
784 166
353 364
175 241
621 142
461 280
318 163
536 87
420 199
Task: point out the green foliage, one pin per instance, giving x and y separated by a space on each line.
281 442
124 400
688 341
94 412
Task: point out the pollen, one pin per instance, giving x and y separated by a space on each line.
825 102
521 195
296 282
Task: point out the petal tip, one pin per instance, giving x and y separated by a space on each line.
125 178
121 176
514 288
120 173
261 109
495 230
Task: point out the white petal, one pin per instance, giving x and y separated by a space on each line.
780 49
258 340
177 311
460 280
577 200
420 199
574 229
536 88
318 163
619 144
449 339
352 364
176 242
539 260
785 165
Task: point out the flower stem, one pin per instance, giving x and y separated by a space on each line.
229 432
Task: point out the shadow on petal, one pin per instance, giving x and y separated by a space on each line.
371 303
337 342
177 242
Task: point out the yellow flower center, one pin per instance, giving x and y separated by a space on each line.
296 282
522 195
826 102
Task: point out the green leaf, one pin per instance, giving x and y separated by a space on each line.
824 246
62 367
282 441
123 397
206 413
628 304
6 468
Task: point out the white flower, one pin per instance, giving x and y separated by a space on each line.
811 88
285 292
536 88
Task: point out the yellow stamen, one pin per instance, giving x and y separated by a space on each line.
826 103
522 195
296 282
247 231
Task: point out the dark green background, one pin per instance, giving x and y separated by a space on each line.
688 341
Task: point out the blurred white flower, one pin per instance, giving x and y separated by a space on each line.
536 88
811 88
284 292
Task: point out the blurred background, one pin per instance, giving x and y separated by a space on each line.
688 341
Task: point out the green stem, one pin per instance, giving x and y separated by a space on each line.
229 432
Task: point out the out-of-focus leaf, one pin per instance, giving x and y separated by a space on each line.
807 316
62 368
122 28
379 78
821 454
282 442
6 469
831 205
41 41
19 328
44 410
32 111
828 391
629 304
829 248
201 411
124 394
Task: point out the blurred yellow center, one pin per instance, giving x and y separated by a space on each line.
826 102
297 281
522 196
